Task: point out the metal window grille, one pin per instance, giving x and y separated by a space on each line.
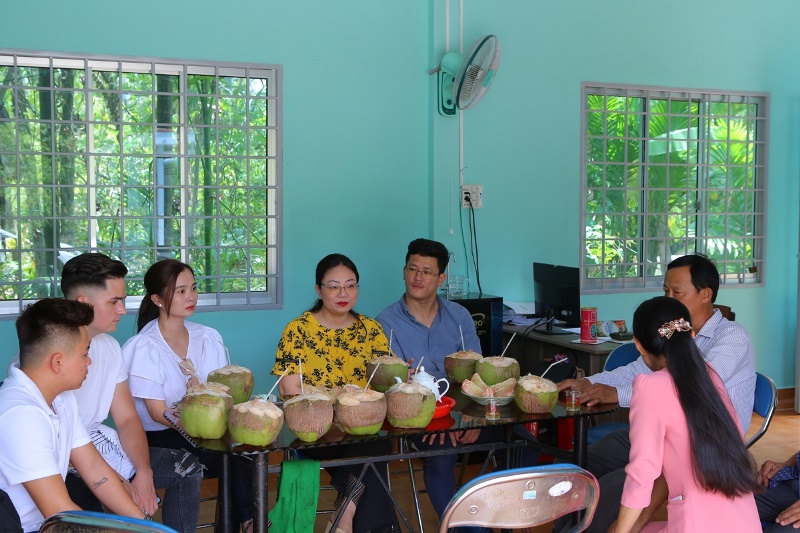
665 173
141 159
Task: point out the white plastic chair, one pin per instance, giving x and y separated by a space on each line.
89 522
524 497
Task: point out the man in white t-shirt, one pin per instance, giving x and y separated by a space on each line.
41 431
99 281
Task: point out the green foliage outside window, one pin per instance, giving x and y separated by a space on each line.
163 160
668 174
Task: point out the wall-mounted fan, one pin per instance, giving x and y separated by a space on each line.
464 79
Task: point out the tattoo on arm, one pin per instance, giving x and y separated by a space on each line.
97 484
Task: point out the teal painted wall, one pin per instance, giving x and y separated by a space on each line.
368 165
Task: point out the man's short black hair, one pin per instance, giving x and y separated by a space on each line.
89 271
429 248
47 323
703 270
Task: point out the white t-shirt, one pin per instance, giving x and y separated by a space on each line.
94 400
153 371
36 440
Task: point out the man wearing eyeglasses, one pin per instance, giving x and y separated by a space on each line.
421 323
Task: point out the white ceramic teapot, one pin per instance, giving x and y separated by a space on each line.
428 381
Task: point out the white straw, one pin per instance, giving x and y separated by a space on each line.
462 337
373 375
554 364
300 362
276 383
227 353
509 344
418 364
391 335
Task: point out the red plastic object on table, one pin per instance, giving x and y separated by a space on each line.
443 407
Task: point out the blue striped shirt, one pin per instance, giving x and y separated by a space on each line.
727 348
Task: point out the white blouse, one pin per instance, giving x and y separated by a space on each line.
153 371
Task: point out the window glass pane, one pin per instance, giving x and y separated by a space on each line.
110 156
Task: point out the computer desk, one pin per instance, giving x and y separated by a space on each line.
530 347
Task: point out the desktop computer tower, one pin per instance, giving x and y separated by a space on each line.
487 313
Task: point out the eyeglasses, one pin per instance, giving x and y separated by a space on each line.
334 289
411 271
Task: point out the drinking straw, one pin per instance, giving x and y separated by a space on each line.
462 337
420 362
276 383
509 344
300 363
391 335
373 375
227 353
554 364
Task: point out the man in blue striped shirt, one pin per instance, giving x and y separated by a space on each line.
694 280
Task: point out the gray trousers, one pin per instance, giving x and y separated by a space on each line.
606 460
773 502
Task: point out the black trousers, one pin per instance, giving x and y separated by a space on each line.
241 469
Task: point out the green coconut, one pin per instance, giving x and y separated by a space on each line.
204 413
256 422
493 370
211 385
237 378
461 365
390 367
309 416
533 394
360 411
409 405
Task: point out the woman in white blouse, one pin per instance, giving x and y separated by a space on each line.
169 354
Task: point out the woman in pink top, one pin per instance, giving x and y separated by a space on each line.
683 427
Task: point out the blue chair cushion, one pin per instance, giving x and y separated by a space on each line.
601 430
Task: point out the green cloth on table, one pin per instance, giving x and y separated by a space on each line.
298 492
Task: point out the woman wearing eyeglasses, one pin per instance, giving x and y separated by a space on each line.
334 343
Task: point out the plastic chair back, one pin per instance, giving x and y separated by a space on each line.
89 522
765 402
622 355
523 497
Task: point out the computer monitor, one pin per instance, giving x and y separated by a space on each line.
557 293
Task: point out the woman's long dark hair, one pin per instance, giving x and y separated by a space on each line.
720 461
160 279
325 265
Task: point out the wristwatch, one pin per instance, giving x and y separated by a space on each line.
147 516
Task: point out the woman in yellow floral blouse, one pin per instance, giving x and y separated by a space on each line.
334 343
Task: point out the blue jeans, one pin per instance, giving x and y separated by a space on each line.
177 471
439 472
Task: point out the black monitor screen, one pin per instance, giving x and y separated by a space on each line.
557 289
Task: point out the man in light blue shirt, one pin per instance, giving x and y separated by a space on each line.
725 345
422 324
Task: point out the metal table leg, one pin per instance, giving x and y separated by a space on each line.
260 491
224 504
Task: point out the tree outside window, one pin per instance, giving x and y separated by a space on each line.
667 173
141 160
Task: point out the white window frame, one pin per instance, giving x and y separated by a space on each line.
650 274
268 274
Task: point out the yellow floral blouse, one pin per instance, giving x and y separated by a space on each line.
330 356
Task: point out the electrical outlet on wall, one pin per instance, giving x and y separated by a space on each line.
472 195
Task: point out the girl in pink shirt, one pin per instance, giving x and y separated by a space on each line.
684 427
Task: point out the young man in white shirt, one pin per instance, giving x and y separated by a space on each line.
99 281
40 428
